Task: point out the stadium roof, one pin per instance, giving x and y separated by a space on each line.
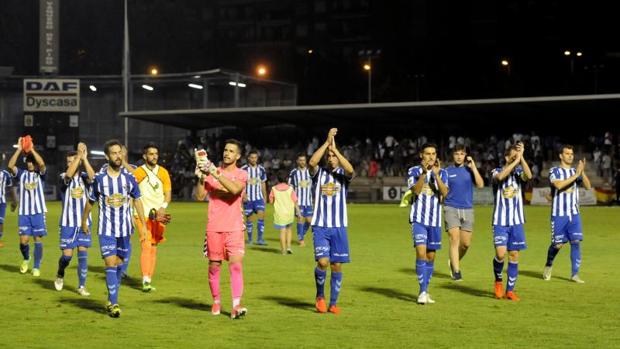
545 111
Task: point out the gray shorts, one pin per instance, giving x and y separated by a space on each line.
462 218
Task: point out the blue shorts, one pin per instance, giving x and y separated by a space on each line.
306 211
72 237
2 213
113 246
32 224
564 229
511 236
278 226
426 235
250 207
331 243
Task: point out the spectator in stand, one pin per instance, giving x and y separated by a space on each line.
617 181
373 169
606 167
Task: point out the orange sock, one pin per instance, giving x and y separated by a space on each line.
153 260
145 258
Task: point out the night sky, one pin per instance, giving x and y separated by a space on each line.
430 50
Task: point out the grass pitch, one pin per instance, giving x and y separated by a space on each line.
377 299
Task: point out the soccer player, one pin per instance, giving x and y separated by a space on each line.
429 182
254 197
458 206
565 217
74 186
224 235
113 190
508 218
6 182
285 208
32 207
125 166
301 181
329 221
154 183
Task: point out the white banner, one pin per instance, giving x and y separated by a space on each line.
542 196
55 95
394 193
49 35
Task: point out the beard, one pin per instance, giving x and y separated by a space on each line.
115 164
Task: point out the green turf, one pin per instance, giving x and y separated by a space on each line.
377 299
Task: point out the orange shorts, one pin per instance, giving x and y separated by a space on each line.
155 230
221 245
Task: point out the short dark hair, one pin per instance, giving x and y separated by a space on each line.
460 147
566 146
235 142
30 158
282 176
71 153
253 151
302 154
509 149
428 145
109 144
149 145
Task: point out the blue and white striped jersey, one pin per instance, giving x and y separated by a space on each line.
301 180
74 193
113 195
5 181
330 198
508 194
256 177
31 196
426 209
566 201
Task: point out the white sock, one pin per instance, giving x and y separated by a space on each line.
236 302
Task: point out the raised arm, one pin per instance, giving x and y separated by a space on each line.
39 160
346 165
478 181
14 157
201 192
90 172
443 188
315 159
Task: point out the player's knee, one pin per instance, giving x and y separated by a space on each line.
323 263
336 267
513 256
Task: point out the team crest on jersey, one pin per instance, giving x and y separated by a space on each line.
426 190
509 192
116 200
30 185
330 189
77 193
304 183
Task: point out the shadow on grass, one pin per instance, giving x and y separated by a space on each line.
265 249
187 303
9 268
128 281
538 275
85 303
391 293
291 302
436 274
49 285
459 287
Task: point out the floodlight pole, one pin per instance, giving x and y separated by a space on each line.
126 69
369 80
